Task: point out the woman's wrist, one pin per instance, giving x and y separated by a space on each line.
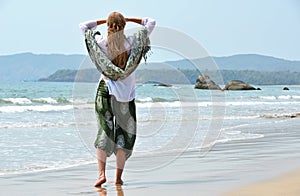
102 21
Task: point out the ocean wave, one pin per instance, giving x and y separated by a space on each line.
35 108
248 103
42 100
18 101
43 168
44 104
282 97
293 115
174 104
212 104
200 145
50 100
43 124
181 118
146 99
270 100
232 136
154 99
80 101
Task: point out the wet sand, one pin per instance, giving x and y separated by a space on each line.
184 176
174 179
227 169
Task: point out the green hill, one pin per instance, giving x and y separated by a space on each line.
31 67
169 76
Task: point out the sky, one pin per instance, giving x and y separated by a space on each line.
221 27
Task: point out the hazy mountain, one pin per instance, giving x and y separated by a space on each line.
28 66
242 62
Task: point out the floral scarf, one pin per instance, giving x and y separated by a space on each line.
140 47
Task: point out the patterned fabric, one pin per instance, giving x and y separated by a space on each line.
139 49
116 122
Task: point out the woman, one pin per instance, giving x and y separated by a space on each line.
114 103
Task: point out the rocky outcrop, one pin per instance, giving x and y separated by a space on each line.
285 89
204 82
164 85
238 85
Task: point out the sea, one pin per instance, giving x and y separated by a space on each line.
52 125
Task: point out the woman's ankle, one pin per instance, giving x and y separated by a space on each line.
101 180
119 182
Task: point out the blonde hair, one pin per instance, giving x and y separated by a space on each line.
115 39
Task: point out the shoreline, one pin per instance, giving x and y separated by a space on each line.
79 180
182 176
283 184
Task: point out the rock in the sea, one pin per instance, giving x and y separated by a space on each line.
238 85
286 88
164 85
204 82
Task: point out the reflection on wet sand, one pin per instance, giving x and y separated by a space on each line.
103 191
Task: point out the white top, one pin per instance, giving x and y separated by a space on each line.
123 90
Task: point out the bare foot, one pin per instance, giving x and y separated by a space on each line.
100 181
119 182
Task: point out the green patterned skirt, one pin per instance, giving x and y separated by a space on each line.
116 122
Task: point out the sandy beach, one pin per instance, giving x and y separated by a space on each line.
183 176
286 184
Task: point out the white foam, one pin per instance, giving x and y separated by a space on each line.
20 101
285 97
173 104
146 99
283 115
238 103
48 100
248 103
44 168
241 117
235 136
231 136
233 132
146 103
78 101
268 97
84 106
282 97
44 124
34 108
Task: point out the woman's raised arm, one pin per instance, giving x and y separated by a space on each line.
100 22
135 20
149 23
